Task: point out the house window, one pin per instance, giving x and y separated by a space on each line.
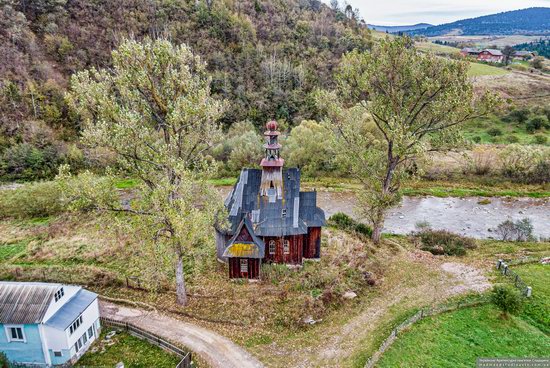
84 338
286 247
91 332
272 247
15 334
75 325
58 353
244 265
59 294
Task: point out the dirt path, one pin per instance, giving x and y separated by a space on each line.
446 280
216 350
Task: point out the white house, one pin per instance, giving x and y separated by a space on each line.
46 324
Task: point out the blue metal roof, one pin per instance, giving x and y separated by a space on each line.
71 309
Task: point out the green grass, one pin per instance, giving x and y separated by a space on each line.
11 250
477 69
126 183
458 338
536 309
443 192
479 130
130 350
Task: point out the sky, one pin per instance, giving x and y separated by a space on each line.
405 12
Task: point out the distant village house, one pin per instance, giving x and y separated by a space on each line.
493 55
271 220
43 324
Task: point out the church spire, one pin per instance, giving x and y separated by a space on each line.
272 164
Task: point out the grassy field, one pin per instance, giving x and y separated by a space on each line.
480 187
477 69
536 310
437 49
492 130
458 338
133 352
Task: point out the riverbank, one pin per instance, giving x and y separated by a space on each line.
436 188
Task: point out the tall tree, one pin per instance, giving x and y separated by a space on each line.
508 53
154 111
393 105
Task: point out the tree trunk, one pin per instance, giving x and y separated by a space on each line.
180 281
377 232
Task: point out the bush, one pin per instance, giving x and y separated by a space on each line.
512 139
508 300
540 139
26 162
4 362
31 200
494 132
343 222
308 148
441 242
536 123
519 115
521 230
540 173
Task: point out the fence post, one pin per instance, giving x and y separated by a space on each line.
528 291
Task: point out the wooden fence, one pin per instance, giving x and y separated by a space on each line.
518 282
426 312
132 329
421 314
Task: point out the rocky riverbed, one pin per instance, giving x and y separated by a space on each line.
472 216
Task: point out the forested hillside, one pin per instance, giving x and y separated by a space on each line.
531 21
265 58
541 47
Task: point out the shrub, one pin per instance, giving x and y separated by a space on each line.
519 115
441 242
536 123
343 222
508 300
308 148
512 139
540 139
540 173
4 362
494 132
517 160
31 200
521 230
26 162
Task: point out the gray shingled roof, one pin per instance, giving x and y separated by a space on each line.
300 209
71 309
25 302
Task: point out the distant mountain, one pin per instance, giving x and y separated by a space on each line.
396 29
531 21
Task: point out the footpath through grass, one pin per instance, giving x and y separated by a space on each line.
457 339
132 351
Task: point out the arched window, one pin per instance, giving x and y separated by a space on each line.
272 247
286 247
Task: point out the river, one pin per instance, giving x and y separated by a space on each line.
464 216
